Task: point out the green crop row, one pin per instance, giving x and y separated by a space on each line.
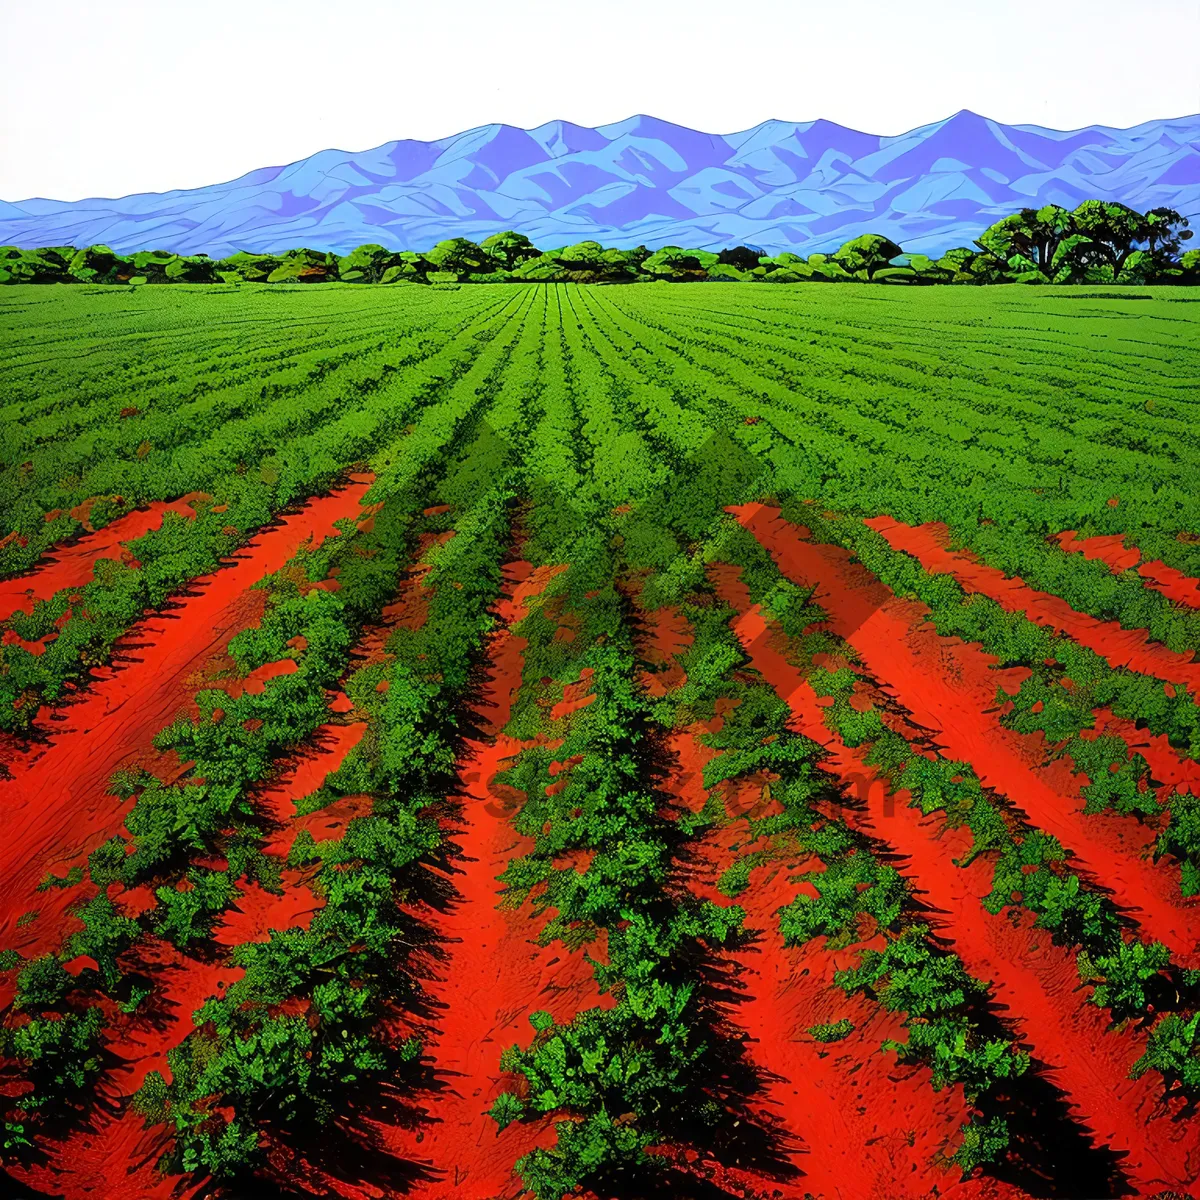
273 1074
1066 685
85 623
211 811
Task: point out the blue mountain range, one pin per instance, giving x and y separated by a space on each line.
778 186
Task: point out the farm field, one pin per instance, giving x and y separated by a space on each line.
559 740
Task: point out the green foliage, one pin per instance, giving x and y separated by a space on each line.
864 257
94 264
185 913
597 1148
1098 242
304 266
458 258
1027 242
366 264
1172 1052
1122 981
73 877
833 1032
152 1099
106 934
984 1142
1181 838
61 1055
933 989
254 268
509 249
849 887
43 983
678 265
161 266
506 1109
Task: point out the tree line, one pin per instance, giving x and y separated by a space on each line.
1097 242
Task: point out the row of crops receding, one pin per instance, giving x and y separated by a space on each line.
575 741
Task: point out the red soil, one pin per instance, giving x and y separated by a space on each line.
1034 980
13 638
1119 647
70 565
186 983
494 973
87 1161
949 689
1173 771
255 683
325 752
664 636
408 610
575 696
57 804
843 1120
1111 549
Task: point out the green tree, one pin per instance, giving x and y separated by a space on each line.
862 257
47 265
963 265
1028 241
304 266
365 264
913 269
1165 231
255 268
95 264
162 266
743 258
679 265
510 249
460 257
584 262
1112 232
408 267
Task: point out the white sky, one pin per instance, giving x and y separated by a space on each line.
108 97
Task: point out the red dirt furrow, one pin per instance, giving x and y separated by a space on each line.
1032 979
57 807
1111 550
115 1141
494 973
1132 648
115 1145
70 565
949 689
843 1120
1173 584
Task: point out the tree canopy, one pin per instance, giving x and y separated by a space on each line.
1098 242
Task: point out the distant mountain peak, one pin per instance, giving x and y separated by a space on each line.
779 185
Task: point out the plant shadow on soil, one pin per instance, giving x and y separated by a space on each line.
740 1139
307 1157
1052 1154
744 1139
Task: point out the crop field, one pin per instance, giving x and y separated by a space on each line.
556 740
